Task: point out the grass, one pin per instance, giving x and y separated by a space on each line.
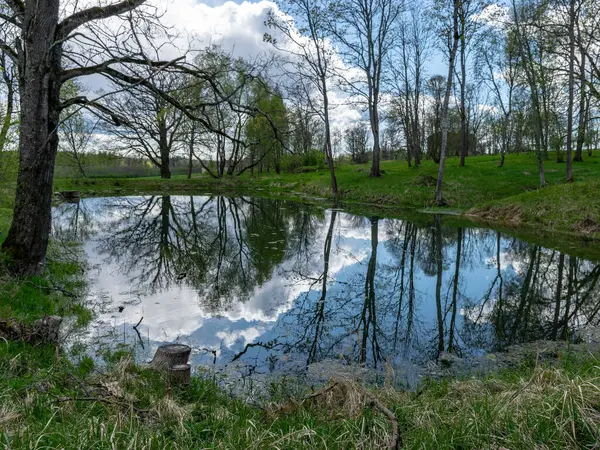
51 401
481 188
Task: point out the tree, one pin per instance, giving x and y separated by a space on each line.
39 50
495 60
357 140
76 131
152 126
267 147
408 81
569 175
311 58
527 44
469 11
450 33
366 31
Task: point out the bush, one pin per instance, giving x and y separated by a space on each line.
314 158
291 163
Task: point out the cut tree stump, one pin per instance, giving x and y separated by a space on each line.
180 374
170 355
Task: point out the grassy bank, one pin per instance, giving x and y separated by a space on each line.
482 188
47 401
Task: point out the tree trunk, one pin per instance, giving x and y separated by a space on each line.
40 63
165 153
569 177
374 118
180 374
191 152
10 96
463 114
581 126
444 114
170 355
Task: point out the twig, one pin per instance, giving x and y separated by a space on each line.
138 324
396 439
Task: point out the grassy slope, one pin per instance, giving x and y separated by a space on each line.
476 187
48 402
523 408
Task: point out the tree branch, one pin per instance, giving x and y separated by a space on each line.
79 18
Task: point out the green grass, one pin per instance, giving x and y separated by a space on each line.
50 401
55 292
474 188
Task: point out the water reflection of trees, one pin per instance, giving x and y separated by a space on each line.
222 247
368 290
487 291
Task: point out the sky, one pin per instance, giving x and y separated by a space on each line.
238 27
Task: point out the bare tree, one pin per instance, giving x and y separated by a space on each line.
525 42
311 57
366 31
451 35
408 80
153 127
357 140
496 62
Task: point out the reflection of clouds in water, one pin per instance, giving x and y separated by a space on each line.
282 296
179 312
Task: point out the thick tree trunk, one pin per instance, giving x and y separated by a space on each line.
39 62
170 355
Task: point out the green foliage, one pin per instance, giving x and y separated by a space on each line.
266 131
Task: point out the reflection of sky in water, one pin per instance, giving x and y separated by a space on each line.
284 308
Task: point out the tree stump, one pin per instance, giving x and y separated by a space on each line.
180 374
170 355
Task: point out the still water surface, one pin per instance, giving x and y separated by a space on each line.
278 286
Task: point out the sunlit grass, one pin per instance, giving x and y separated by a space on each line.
50 402
481 183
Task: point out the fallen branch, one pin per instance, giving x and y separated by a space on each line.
352 403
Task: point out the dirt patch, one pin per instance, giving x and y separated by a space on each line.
512 213
586 226
425 180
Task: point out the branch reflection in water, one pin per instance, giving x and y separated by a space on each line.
279 285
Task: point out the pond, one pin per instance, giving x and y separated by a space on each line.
272 286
